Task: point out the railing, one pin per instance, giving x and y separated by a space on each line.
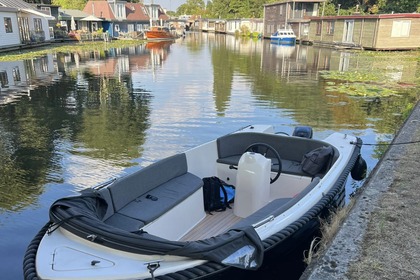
37 36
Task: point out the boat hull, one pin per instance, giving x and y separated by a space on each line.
158 33
100 254
284 37
283 40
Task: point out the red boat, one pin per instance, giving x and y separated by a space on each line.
159 33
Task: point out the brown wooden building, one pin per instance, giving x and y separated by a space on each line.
376 32
293 14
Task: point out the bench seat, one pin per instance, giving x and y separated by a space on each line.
139 198
161 199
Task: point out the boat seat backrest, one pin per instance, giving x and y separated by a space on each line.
291 150
289 147
127 188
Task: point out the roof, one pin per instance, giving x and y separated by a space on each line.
162 14
135 12
19 4
25 7
91 18
66 14
296 1
100 9
38 13
379 16
8 9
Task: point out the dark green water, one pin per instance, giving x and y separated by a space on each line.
72 120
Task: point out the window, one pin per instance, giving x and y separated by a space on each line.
16 74
318 28
8 25
4 82
46 10
401 28
305 29
330 27
37 24
120 11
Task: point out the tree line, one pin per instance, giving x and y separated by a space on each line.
254 8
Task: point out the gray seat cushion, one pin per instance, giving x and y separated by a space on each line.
158 201
127 188
124 222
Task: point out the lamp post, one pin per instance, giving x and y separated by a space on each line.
338 10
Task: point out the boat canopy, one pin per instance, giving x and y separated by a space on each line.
82 215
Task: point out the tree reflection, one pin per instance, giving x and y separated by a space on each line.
97 116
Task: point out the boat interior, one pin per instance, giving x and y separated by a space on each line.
165 199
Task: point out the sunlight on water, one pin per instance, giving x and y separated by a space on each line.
88 117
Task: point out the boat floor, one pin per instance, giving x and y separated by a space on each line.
212 225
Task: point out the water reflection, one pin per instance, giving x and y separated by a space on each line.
70 120
73 117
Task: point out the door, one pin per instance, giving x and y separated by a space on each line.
348 31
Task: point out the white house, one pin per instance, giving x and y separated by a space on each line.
22 24
9 30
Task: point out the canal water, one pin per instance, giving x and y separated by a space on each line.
72 120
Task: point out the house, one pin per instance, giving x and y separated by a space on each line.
249 25
22 24
48 8
156 14
18 78
67 16
233 26
120 18
375 32
292 14
207 24
220 26
9 32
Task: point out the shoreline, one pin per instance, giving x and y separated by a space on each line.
370 242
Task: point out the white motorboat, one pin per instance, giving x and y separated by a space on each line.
153 224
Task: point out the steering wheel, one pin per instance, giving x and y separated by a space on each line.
263 148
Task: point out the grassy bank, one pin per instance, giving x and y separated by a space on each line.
66 47
391 247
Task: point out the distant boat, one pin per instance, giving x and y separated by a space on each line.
284 36
153 223
159 33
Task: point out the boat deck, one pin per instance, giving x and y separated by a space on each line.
212 225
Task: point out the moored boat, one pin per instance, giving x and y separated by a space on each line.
284 37
159 33
153 223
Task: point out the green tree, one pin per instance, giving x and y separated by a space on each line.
401 6
70 4
220 8
192 7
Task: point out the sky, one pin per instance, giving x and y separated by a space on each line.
170 5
